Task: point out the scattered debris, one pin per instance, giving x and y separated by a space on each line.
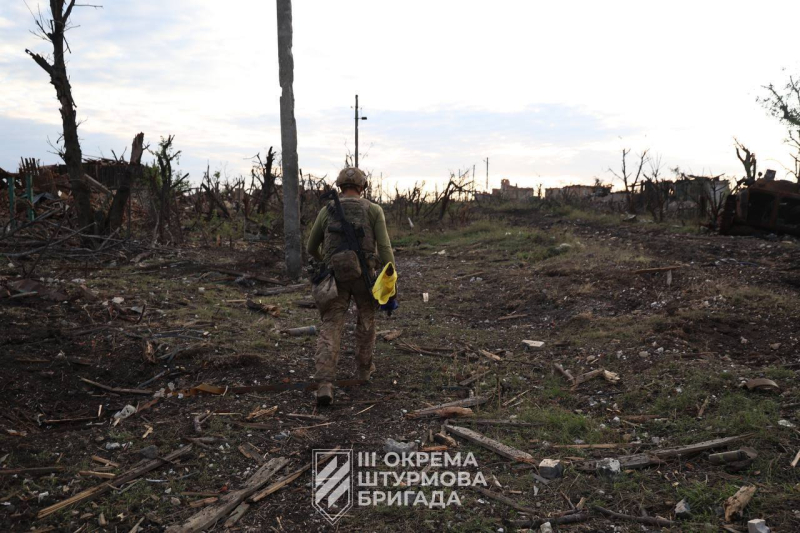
533 344
272 310
393 446
117 390
490 444
392 335
608 467
762 384
757 525
227 503
736 459
300 332
116 483
262 412
551 468
647 520
683 510
504 500
450 409
736 503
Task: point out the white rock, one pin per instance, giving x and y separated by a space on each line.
757 525
546 528
551 468
608 467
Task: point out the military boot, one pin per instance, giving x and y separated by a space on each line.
325 394
364 373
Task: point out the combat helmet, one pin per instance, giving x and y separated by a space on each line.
352 176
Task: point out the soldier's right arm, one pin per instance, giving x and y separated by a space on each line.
317 235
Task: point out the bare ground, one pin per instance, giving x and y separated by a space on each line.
730 314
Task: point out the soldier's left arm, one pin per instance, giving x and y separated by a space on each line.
378 221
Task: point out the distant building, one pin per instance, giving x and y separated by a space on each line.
575 192
512 192
506 192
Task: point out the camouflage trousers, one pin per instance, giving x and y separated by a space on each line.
330 335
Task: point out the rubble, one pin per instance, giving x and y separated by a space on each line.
608 467
551 468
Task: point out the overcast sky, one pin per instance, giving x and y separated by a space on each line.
549 91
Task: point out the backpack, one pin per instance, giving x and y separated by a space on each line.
337 256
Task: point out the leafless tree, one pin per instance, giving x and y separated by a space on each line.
629 179
263 175
52 28
656 189
457 187
784 104
749 161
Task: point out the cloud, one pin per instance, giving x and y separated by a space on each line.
546 91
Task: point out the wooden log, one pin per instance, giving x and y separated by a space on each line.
504 500
115 389
650 521
474 378
289 478
490 444
36 471
432 411
658 269
555 520
444 412
236 515
120 480
563 372
497 422
227 503
696 448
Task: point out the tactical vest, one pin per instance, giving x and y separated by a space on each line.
356 211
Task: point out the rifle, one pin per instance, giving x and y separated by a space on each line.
351 241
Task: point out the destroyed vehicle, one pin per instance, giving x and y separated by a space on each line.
765 205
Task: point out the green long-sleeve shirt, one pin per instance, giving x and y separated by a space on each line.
376 219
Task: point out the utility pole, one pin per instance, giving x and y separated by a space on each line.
487 173
291 190
357 119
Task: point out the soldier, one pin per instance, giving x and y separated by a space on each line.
332 294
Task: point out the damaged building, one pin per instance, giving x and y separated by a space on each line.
766 204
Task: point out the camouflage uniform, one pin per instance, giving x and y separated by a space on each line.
328 344
326 243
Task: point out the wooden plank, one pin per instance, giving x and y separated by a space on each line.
658 269
696 448
497 422
289 478
504 500
490 444
251 452
39 470
130 475
236 515
431 411
227 503
115 389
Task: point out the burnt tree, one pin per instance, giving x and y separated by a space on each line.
749 161
630 179
262 174
53 31
132 172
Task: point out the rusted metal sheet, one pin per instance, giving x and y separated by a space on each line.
765 205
